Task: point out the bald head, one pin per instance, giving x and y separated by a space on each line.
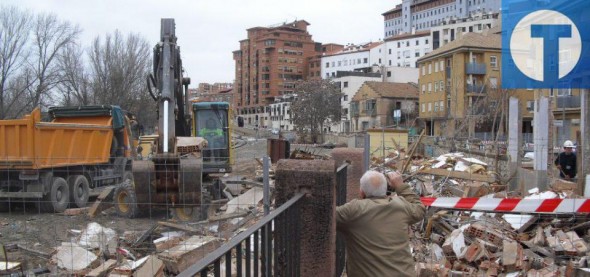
373 184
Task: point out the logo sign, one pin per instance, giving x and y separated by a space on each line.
546 44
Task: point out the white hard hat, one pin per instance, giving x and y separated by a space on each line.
568 143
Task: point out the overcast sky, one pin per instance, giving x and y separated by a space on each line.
208 31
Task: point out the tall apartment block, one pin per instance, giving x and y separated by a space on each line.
268 64
417 15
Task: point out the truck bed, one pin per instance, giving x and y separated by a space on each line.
30 144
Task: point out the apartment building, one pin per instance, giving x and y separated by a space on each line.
455 28
350 58
279 113
350 82
418 15
405 49
207 88
460 91
268 64
375 103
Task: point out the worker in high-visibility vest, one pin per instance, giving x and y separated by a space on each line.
212 133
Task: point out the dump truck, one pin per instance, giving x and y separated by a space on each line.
64 161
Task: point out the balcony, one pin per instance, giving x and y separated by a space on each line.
448 72
475 69
568 102
476 89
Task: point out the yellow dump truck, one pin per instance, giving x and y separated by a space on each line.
61 162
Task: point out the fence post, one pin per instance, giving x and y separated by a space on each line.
265 181
316 218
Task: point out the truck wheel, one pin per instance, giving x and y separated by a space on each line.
58 198
187 213
79 190
126 201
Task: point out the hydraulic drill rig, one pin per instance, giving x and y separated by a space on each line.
172 176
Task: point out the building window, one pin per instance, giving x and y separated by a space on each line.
379 60
429 68
436 106
345 84
345 98
398 44
389 51
442 106
493 61
365 60
430 106
388 73
429 87
408 43
435 67
442 86
423 88
435 86
327 64
423 70
423 107
390 62
417 42
426 41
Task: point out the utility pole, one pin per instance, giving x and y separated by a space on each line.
514 141
583 150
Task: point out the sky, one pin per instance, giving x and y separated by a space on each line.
208 31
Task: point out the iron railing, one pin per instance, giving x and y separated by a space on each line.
268 248
475 68
341 178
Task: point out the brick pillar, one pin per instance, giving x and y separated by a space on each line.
316 216
355 170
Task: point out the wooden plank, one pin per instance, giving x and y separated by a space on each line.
98 205
75 211
178 226
102 269
152 267
458 175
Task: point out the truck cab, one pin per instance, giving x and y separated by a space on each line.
211 122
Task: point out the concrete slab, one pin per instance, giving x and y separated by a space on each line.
243 202
73 257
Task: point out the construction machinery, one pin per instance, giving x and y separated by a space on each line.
63 162
170 176
211 122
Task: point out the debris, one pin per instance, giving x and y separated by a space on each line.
187 252
97 237
179 227
35 252
64 257
99 205
102 269
243 202
128 267
75 211
152 267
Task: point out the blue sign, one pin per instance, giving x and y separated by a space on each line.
545 44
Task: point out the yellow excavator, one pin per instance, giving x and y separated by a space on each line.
169 175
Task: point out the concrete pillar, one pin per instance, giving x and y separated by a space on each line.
514 141
541 141
583 150
317 211
355 157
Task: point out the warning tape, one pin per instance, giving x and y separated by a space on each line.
551 206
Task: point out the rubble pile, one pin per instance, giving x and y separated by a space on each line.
471 243
165 249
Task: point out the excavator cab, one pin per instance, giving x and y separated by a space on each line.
211 122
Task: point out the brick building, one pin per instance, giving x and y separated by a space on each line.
268 64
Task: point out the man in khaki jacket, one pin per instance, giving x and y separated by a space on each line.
375 227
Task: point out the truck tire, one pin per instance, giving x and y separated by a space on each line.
126 201
79 190
187 213
58 198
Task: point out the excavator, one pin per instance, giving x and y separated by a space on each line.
171 175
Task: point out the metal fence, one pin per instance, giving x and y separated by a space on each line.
268 248
341 178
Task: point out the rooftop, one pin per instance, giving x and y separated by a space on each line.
391 90
468 40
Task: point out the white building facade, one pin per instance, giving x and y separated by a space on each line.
351 58
350 82
453 29
404 50
425 14
279 113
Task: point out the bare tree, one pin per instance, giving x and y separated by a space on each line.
75 85
119 68
50 37
14 34
317 104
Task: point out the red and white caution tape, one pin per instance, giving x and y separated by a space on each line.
552 206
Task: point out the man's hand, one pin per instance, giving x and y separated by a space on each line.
394 180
